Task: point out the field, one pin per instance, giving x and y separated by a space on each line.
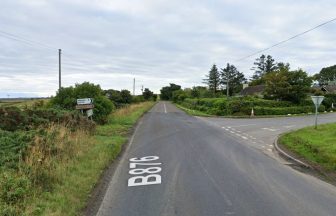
22 103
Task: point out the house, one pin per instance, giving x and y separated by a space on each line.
329 88
253 90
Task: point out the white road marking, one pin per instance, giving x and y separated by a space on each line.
244 125
137 178
165 109
289 126
270 129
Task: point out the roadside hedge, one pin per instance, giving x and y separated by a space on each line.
243 106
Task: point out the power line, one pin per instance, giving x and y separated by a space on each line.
25 40
284 41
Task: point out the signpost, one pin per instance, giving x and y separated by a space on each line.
87 105
317 101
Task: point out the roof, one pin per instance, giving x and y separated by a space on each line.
329 88
253 90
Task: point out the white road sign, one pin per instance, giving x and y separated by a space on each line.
89 112
83 101
317 100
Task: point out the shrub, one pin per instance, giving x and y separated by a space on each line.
66 99
103 107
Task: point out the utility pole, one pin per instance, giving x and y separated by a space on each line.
227 84
134 87
59 70
142 89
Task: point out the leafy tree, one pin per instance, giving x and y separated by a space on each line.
167 91
326 75
195 92
147 94
155 97
231 77
263 65
287 85
126 96
113 95
119 98
213 79
66 98
179 95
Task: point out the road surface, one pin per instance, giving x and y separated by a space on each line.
212 166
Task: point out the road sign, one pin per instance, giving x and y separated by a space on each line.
83 101
84 106
317 100
89 112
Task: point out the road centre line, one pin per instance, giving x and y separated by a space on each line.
244 125
165 109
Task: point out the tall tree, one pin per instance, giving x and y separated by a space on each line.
147 94
263 65
326 75
167 91
287 85
232 79
213 79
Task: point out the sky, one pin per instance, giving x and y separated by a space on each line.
157 42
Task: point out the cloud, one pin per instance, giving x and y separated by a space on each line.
157 42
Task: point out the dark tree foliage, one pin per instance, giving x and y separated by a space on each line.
66 99
213 79
326 75
126 96
147 94
230 75
263 65
288 85
167 91
119 98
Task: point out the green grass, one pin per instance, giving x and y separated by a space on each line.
193 112
315 145
80 174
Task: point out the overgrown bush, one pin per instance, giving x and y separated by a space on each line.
66 99
12 118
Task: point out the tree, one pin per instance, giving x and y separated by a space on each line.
287 85
147 94
195 92
66 98
213 79
126 96
167 91
231 77
263 65
326 75
119 98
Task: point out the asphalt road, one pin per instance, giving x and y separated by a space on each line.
212 166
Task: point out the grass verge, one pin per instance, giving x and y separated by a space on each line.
192 112
71 175
316 146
